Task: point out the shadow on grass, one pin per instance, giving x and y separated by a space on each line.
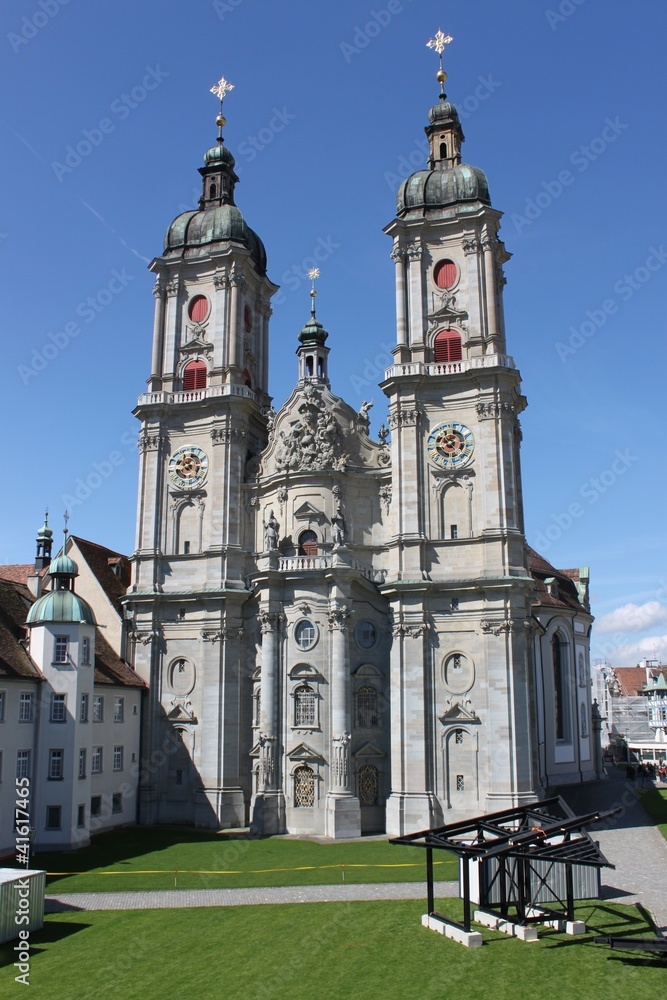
114 850
51 933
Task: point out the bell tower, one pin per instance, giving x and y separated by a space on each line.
458 583
202 418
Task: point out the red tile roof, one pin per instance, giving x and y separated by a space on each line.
631 680
566 594
17 573
15 600
102 562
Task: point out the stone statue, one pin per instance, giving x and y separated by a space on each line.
363 414
271 529
338 528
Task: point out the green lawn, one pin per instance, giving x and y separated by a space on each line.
140 858
338 951
654 801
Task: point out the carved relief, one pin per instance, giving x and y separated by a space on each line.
486 411
338 617
385 497
314 441
173 287
403 418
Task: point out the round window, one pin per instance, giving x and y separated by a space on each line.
198 309
305 634
445 273
365 634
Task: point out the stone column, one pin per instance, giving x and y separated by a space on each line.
155 381
268 807
415 293
398 255
489 244
343 817
236 280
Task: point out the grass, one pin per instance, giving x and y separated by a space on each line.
341 951
654 801
140 858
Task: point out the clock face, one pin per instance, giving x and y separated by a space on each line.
450 445
188 467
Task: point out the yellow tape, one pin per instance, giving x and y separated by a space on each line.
253 871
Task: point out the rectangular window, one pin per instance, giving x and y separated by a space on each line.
2 706
98 708
96 805
96 761
118 709
179 776
82 762
85 651
23 763
53 817
455 604
186 548
56 765
61 650
460 783
118 758
81 816
58 708
83 711
116 803
25 706
454 531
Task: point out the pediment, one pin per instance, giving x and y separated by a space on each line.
197 345
307 512
304 752
179 713
255 751
457 713
369 750
303 672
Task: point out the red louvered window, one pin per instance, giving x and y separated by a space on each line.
194 376
198 310
445 273
447 346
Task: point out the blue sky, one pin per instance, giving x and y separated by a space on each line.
562 106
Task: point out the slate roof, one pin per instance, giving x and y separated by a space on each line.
566 592
110 669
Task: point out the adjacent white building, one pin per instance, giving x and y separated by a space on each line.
70 710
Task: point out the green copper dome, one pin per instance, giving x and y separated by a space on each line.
192 234
61 606
62 565
45 531
429 189
219 154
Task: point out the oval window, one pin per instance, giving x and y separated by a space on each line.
445 273
305 634
459 673
365 635
198 309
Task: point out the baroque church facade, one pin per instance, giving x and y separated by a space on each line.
342 634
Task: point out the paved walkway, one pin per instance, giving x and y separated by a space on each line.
243 897
629 841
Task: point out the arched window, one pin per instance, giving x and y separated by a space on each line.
304 787
368 785
561 713
212 191
194 376
447 346
305 713
308 543
367 707
247 378
443 150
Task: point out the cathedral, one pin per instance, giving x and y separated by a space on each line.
341 634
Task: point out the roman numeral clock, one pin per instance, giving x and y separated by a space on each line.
450 445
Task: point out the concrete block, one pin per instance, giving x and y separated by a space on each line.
575 927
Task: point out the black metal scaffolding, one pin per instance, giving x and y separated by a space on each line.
519 852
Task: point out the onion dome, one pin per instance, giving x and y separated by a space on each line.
61 604
44 532
218 220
